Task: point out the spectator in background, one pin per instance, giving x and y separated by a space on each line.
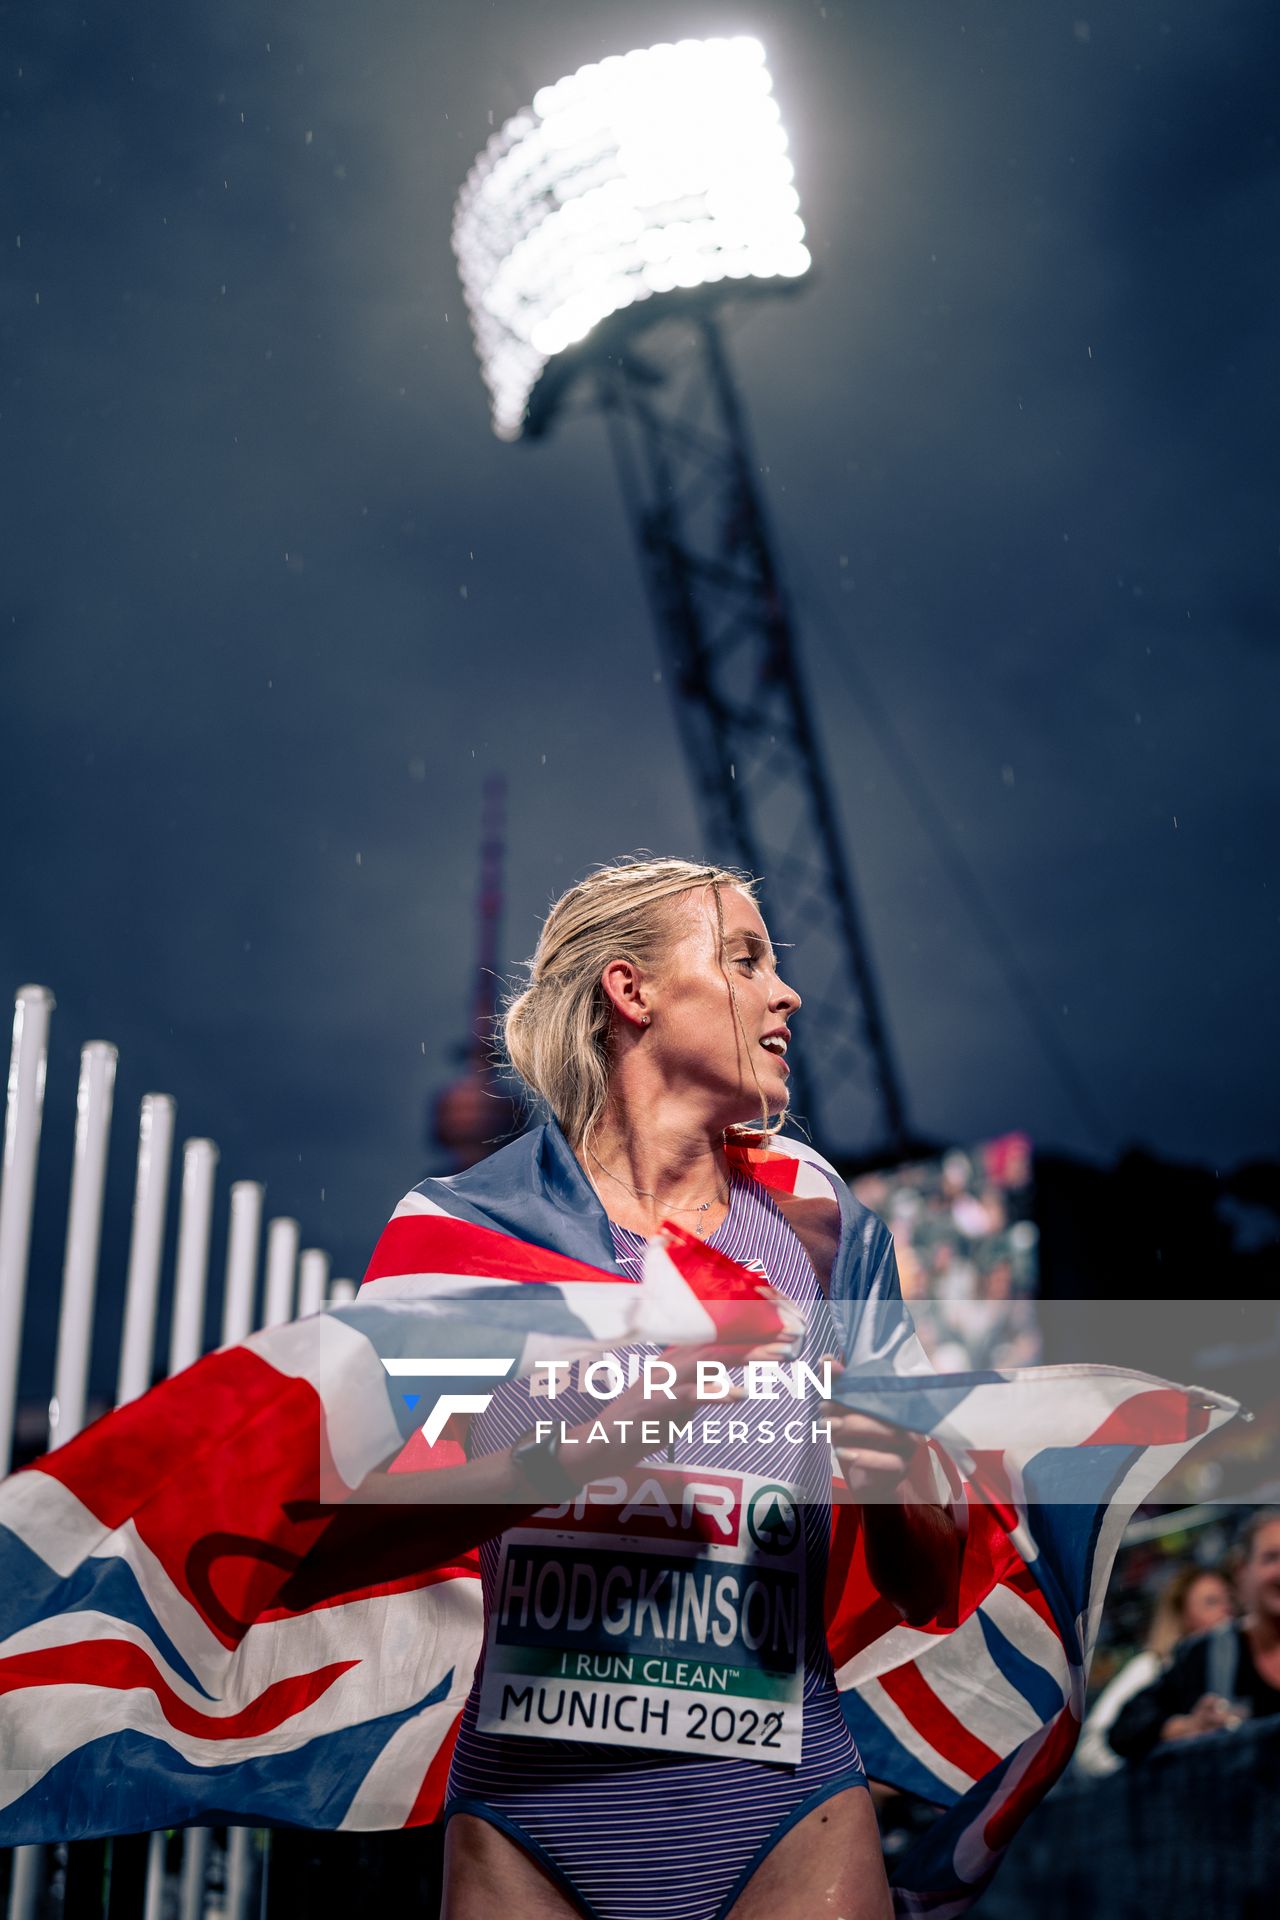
1194 1600
1223 1677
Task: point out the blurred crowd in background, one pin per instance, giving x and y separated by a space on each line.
966 1245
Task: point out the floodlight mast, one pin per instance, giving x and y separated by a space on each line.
681 448
596 237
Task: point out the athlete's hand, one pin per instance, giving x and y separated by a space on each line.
874 1457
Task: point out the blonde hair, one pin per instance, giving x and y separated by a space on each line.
557 1030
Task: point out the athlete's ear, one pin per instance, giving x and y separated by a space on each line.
627 993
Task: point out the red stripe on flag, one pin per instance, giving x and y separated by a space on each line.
420 1455
1056 1750
430 1243
364 1553
1164 1417
709 1274
931 1717
219 1471
119 1665
857 1615
429 1803
739 1301
777 1170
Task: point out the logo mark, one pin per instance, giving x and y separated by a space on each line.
773 1519
457 1367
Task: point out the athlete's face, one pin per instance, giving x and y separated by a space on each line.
1260 1574
697 1037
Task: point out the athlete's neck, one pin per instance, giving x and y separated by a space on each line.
645 1174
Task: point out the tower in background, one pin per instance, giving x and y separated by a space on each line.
476 1112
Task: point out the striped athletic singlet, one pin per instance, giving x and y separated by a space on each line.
632 1833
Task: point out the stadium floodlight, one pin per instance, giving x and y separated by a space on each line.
655 171
598 237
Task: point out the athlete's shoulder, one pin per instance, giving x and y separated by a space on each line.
511 1169
532 1188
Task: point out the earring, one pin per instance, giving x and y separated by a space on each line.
644 1019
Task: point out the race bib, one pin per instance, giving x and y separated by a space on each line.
664 1608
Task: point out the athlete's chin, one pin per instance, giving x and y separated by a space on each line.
775 1101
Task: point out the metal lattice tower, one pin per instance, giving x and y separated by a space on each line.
681 446
477 1111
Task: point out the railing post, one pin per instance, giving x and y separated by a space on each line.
146 1246
94 1097
313 1281
282 1262
24 1106
242 1260
186 1331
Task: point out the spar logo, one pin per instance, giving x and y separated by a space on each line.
463 1368
773 1520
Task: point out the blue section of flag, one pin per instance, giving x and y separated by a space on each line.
411 1400
133 1783
885 1757
921 1402
929 1862
30 1591
1038 1688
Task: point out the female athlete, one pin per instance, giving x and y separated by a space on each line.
655 1732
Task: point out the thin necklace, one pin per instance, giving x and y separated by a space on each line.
643 1193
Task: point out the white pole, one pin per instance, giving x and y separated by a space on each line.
242 1260
153 1898
25 1881
340 1291
146 1246
195 1864
313 1280
282 1261
249 1846
23 1108
186 1332
240 1851
186 1339
94 1097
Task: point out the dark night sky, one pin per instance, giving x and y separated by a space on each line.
1020 433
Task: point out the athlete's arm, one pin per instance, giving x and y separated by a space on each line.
912 1545
467 1504
912 1553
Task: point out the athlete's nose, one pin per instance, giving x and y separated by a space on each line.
786 998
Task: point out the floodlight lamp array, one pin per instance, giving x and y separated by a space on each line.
659 169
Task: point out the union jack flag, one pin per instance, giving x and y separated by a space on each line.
192 1629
